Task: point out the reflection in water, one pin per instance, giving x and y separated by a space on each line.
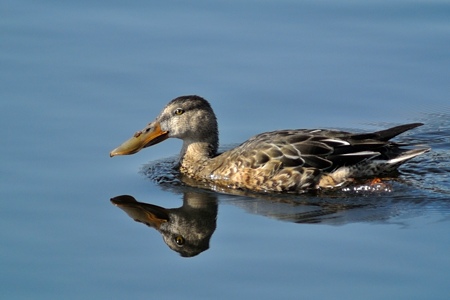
186 230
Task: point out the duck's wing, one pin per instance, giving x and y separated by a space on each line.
320 149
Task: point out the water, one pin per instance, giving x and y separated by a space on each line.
79 78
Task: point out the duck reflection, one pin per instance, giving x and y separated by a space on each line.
186 230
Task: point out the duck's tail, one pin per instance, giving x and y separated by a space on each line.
405 156
371 167
386 134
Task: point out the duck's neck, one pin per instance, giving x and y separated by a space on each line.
195 155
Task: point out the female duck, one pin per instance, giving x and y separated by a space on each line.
277 161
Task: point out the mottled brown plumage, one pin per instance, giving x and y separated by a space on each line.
277 161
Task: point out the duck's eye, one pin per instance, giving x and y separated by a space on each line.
178 111
179 240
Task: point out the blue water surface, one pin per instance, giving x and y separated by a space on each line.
78 78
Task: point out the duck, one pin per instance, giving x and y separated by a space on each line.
281 161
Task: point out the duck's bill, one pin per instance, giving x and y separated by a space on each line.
149 214
150 135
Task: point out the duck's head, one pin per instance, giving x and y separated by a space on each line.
189 118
